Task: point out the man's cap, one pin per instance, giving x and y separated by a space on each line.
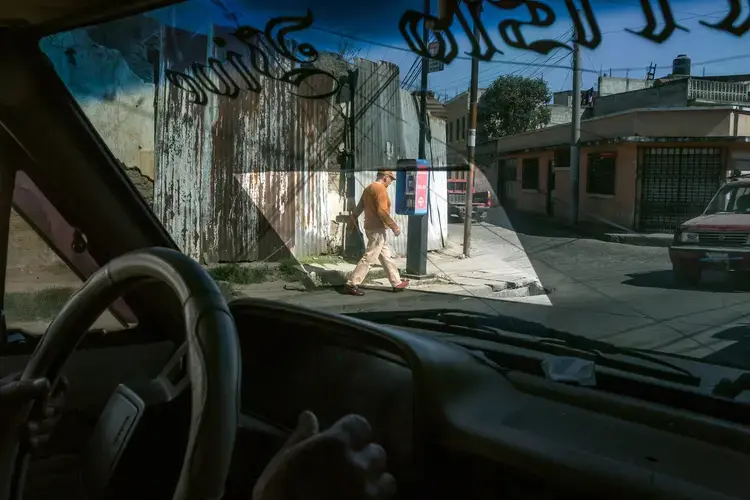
387 173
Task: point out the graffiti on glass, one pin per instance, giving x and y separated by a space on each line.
214 76
586 30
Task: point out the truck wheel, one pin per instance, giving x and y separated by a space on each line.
741 280
684 275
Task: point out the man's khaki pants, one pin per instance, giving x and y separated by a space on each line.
377 249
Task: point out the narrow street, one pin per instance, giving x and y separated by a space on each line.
618 293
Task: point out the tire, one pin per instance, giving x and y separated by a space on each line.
683 275
741 280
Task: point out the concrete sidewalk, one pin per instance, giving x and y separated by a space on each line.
499 270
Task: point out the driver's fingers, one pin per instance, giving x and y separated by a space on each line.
373 459
383 488
354 430
37 442
61 387
46 426
13 377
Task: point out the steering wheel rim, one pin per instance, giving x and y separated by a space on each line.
213 363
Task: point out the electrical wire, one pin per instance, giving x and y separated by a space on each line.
512 62
499 73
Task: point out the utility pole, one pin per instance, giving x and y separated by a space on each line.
416 244
353 243
575 136
472 136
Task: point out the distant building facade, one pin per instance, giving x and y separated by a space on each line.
646 169
456 133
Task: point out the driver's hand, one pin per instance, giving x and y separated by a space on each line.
340 463
15 394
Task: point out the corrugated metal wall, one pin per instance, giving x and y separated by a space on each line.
387 129
437 155
179 195
377 138
242 179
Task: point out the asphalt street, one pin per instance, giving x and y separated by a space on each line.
626 295
613 292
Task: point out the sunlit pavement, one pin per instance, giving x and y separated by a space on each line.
619 293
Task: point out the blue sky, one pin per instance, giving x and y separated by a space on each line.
372 27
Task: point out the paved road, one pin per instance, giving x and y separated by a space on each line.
609 291
625 294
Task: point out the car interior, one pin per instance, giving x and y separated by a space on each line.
190 397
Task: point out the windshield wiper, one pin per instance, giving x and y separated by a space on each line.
534 336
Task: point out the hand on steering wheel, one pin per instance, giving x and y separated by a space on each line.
213 366
341 462
16 394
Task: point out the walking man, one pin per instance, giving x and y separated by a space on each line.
376 205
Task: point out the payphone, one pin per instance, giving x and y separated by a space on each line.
412 187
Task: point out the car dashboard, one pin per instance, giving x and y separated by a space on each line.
455 423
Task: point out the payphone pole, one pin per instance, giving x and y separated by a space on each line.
416 245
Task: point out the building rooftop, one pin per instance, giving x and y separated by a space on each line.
637 125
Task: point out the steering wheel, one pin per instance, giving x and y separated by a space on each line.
213 364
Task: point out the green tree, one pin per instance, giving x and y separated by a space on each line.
512 105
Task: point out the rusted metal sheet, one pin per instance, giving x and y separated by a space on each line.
179 147
248 174
387 130
377 143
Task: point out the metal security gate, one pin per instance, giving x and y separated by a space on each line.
507 172
676 185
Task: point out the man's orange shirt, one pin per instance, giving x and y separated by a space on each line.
376 205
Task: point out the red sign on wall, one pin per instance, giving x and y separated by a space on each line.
421 191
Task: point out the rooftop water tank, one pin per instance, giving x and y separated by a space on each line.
681 65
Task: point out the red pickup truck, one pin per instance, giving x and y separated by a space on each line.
717 239
481 201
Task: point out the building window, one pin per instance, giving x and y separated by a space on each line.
600 174
450 132
562 158
458 128
530 174
463 128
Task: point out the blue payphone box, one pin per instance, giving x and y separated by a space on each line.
412 187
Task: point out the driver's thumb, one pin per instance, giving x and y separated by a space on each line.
307 427
23 391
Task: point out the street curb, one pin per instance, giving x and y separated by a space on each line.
486 292
640 240
635 239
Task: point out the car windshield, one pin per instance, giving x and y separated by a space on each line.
732 198
287 146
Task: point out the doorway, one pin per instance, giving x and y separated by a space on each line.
506 189
551 188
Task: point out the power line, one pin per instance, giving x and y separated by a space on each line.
497 74
511 62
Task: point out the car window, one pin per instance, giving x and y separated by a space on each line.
37 280
252 130
732 199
